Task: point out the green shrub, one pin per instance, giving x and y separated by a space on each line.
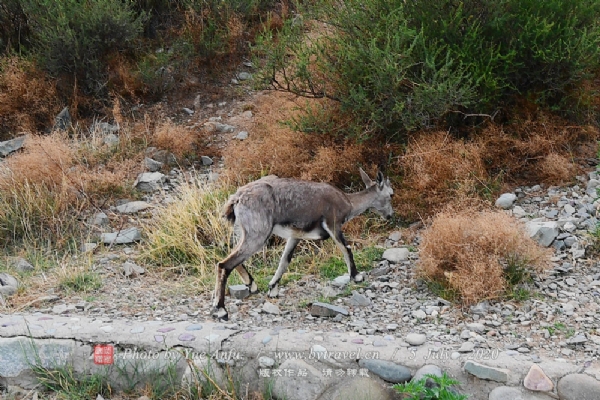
76 38
431 387
14 29
217 28
398 66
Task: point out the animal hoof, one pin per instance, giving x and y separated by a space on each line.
220 314
253 288
273 292
358 278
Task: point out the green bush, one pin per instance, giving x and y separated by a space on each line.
14 29
217 28
76 38
431 387
396 66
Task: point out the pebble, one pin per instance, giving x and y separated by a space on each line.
270 308
415 339
387 370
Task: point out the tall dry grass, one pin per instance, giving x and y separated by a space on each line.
190 232
469 251
48 187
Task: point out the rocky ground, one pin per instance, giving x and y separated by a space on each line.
559 319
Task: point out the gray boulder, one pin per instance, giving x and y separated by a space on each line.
150 181
12 145
20 264
326 310
152 165
63 120
506 200
578 387
543 232
8 284
396 255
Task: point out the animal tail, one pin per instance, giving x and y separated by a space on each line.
228 209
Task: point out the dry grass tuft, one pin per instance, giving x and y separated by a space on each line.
438 168
48 186
468 252
556 169
525 150
190 231
28 99
45 160
177 139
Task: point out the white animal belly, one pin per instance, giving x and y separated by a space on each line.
287 232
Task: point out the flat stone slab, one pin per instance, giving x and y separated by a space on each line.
270 308
11 145
326 310
396 255
133 207
387 370
341 281
486 372
124 236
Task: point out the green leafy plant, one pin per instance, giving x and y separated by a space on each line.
431 387
76 38
81 281
393 67
69 386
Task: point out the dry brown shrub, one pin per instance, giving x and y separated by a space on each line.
438 169
28 99
557 169
467 252
275 148
536 148
177 139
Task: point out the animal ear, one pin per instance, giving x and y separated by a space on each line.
365 178
380 179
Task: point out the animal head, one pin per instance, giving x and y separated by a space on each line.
382 201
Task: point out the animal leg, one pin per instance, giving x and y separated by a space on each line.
338 237
240 254
247 278
286 257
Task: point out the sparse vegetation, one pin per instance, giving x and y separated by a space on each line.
50 186
158 383
478 254
440 388
80 281
69 386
